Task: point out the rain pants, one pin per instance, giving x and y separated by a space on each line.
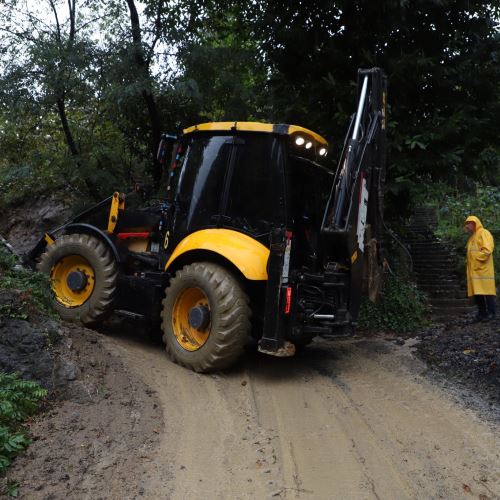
480 272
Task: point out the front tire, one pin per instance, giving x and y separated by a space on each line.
83 274
205 318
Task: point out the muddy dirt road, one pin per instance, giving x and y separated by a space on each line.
351 419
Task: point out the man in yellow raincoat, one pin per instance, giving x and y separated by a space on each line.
480 271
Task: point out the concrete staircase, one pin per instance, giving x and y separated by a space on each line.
434 266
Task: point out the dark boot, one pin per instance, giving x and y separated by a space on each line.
482 310
491 307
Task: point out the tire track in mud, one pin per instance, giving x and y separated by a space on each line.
350 419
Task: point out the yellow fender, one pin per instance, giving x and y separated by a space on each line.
246 253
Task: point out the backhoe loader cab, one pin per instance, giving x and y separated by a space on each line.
254 237
249 178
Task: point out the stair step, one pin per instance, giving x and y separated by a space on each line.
437 272
440 290
438 283
454 288
451 303
440 286
452 311
433 253
445 294
423 244
428 244
434 261
431 259
413 241
431 269
430 256
434 271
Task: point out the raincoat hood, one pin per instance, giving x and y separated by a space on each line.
473 218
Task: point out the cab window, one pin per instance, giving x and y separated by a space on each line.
255 192
200 183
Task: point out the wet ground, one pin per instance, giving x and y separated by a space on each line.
466 352
358 418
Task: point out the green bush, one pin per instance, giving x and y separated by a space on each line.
34 287
18 400
402 308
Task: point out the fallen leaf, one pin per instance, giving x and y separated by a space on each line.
469 351
466 488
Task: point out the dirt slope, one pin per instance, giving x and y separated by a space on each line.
94 443
352 419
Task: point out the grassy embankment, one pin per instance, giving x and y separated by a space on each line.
18 398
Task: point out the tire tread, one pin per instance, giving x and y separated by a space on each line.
99 305
234 318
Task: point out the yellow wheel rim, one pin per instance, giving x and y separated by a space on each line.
189 337
64 271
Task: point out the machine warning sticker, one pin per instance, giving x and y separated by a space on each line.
286 258
363 208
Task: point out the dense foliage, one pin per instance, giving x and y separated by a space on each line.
441 58
18 400
87 87
34 288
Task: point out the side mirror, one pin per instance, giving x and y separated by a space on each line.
164 148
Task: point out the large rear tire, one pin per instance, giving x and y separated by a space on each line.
83 274
205 318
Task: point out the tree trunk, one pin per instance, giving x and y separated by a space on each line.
61 108
143 71
92 188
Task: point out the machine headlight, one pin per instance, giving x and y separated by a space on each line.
299 141
322 152
309 145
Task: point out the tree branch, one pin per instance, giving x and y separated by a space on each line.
72 20
56 17
156 33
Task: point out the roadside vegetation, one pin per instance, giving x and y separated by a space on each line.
19 398
32 288
402 308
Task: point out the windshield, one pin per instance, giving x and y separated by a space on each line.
198 180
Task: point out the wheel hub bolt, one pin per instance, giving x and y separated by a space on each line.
77 281
199 317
